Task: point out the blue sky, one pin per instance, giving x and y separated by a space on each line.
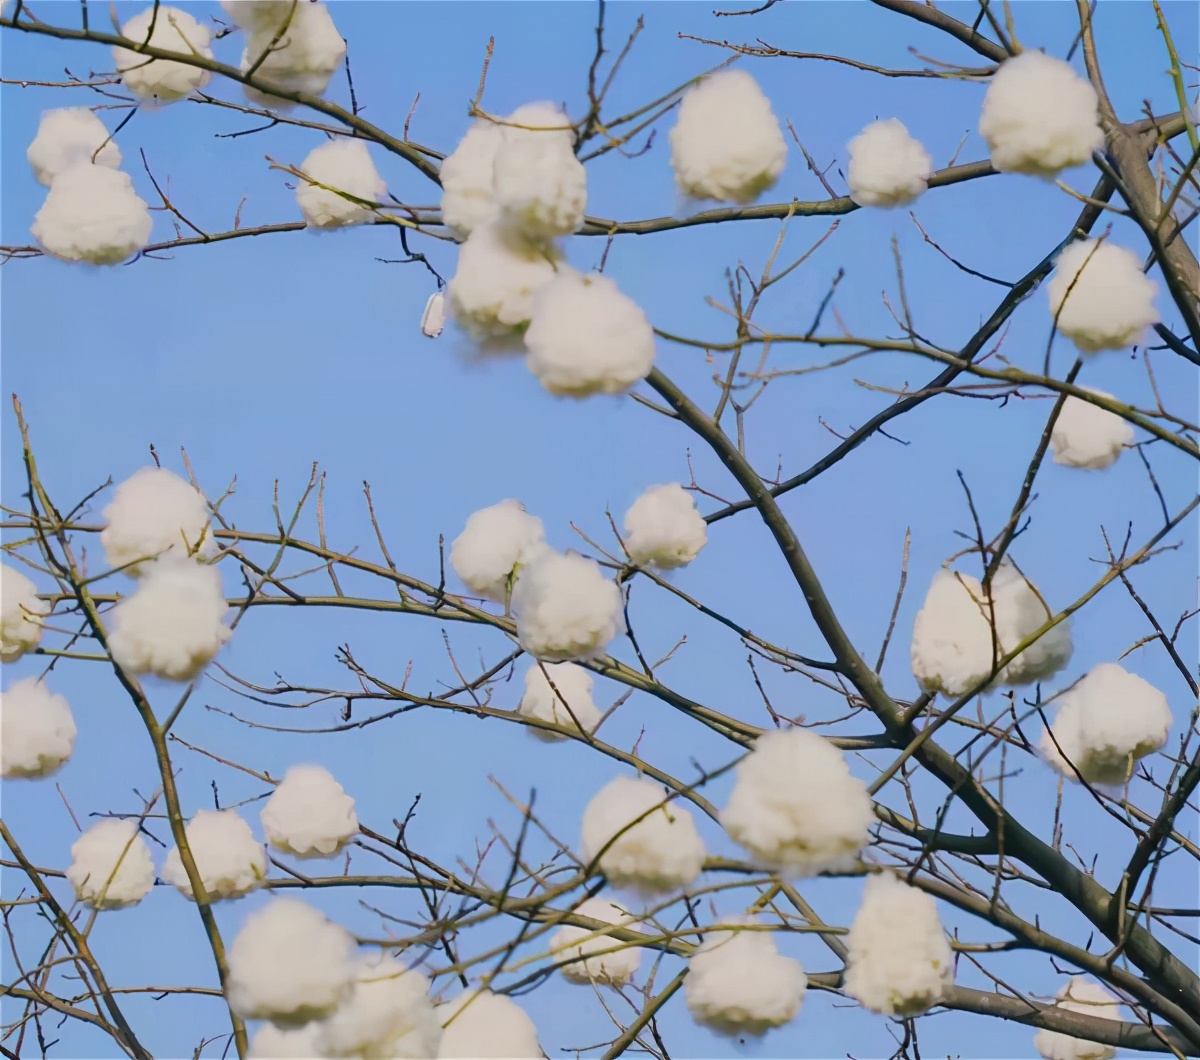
260 356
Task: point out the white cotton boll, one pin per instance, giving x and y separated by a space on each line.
1099 296
92 214
151 512
387 1015
565 607
1105 724
537 181
304 59
466 175
661 852
67 137
573 684
952 636
1039 116
289 964
1020 611
491 545
739 983
1087 999
21 613
259 14
290 1043
1087 436
111 865
605 960
342 165
230 861
309 815
482 1024
797 807
664 529
888 167
37 731
171 626
433 319
158 79
726 143
586 337
899 961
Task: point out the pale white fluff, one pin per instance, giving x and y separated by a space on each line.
111 865
37 730
586 337
664 529
1020 610
67 137
538 183
339 166
888 167
284 1043
726 143
172 624
21 613
642 841
1039 116
433 319
567 703
289 964
1087 436
494 541
152 512
565 607
1105 723
92 214
466 175
304 59
230 861
482 1024
796 806
1088 999
387 1015
309 815
160 80
1100 297
899 961
739 983
258 14
605 960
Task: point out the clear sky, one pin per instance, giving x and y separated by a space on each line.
260 356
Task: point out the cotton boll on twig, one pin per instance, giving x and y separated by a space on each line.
492 544
888 167
664 529
230 861
482 1024
566 608
159 80
1087 436
1019 612
466 175
37 730
339 166
1099 296
1088 999
92 214
153 512
21 613
568 703
605 960
67 137
309 51
538 183
309 815
111 867
388 1014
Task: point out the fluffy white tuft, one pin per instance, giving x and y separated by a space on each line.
1100 297
482 1024
304 59
172 624
1020 611
1039 116
568 703
796 806
230 861
739 983
1105 723
604 960
159 79
1088 999
565 607
642 841
151 512
899 961
492 544
21 613
69 137
726 143
111 865
538 183
309 814
466 175
664 529
888 167
340 166
92 214
387 1015
291 1043
1088 436
37 731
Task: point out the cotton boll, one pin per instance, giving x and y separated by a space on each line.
738 983
343 166
158 79
309 814
482 1024
293 1043
1019 612
259 14
1105 724
21 613
664 529
568 703
605 960
466 176
230 861
111 865
1087 436
642 841
899 961
37 731
887 166
92 214
387 1015
1039 116
586 337
289 964
1100 298
537 181
952 636
304 59
566 609
491 545
797 807
171 626
152 512
69 137
726 143
1088 999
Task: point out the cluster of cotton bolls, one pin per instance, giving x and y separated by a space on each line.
591 956
1100 298
160 80
1087 436
1086 998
